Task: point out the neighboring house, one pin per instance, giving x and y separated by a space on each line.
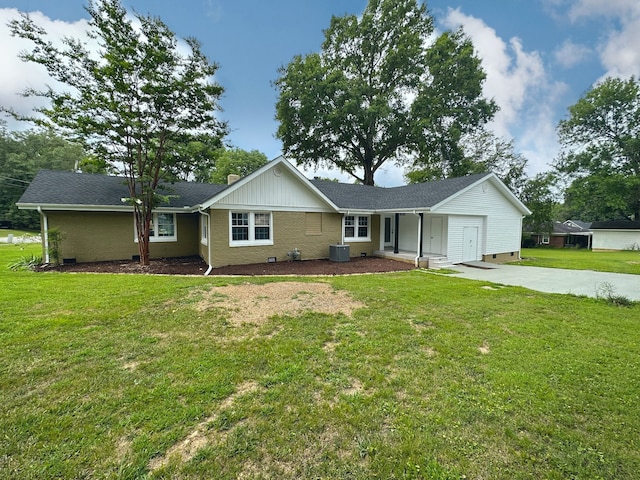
275 210
570 233
616 235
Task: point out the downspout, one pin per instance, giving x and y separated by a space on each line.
419 252
208 241
45 228
420 236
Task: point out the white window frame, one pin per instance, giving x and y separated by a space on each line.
356 226
155 238
251 241
204 229
545 239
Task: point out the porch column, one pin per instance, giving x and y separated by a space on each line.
396 249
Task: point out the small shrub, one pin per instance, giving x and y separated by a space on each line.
55 239
606 291
26 263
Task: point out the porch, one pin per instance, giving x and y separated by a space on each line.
427 260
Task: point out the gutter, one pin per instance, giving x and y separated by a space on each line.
206 214
45 227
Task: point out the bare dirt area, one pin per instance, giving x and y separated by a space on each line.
248 303
195 266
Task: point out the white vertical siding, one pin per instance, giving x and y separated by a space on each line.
502 220
455 233
274 189
615 239
408 239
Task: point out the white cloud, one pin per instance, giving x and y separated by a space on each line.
619 53
570 54
16 75
518 82
613 8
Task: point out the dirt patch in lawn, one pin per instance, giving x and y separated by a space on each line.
248 303
195 266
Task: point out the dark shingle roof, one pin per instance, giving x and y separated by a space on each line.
420 195
616 225
51 187
579 223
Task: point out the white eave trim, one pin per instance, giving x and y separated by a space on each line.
99 208
404 210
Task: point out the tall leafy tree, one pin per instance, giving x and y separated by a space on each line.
237 162
22 154
482 151
539 195
450 107
600 153
366 98
134 104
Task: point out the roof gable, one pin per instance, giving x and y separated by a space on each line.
276 185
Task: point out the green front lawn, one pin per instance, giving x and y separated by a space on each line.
582 259
127 376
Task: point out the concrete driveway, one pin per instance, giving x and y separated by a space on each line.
556 280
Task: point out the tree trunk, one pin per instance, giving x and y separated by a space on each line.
143 225
368 167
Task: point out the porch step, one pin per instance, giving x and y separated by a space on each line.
436 263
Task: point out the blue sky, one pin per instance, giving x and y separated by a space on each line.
540 56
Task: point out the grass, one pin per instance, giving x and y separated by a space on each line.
18 233
582 259
436 377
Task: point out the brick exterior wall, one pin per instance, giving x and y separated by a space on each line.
289 232
100 236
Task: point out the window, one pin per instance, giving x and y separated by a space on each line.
162 228
262 226
250 228
239 226
204 229
356 228
545 239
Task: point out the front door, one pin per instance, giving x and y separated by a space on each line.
469 244
388 232
435 235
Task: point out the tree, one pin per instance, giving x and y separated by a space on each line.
600 152
482 151
135 104
538 194
237 162
365 99
450 107
22 155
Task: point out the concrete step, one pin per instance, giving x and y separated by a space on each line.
436 263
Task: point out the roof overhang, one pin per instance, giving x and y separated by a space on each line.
98 208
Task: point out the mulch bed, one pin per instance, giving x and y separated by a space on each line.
195 266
